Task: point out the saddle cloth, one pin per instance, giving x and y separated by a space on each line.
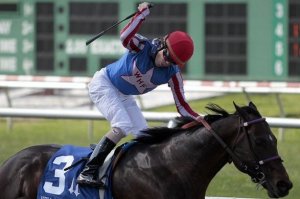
58 182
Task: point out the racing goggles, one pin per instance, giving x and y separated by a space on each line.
167 56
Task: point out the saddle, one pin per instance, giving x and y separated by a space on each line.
69 162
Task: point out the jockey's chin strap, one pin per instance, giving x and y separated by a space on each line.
256 174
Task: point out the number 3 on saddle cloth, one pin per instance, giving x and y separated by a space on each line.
59 178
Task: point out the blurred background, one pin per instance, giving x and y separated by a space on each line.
245 50
234 39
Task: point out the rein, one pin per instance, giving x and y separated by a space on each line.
257 175
220 140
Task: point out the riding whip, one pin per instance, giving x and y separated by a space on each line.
114 25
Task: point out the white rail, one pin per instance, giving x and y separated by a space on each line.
191 86
56 82
95 115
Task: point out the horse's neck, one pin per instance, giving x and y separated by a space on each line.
201 154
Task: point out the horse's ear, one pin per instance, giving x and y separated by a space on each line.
235 106
239 110
252 105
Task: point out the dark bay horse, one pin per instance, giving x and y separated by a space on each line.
173 163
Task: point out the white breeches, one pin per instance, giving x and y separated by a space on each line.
121 110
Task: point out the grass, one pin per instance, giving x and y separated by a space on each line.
228 182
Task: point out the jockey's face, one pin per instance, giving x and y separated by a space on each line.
161 60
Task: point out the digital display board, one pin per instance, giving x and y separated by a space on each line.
226 38
234 39
294 38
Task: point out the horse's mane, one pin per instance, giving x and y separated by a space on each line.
158 134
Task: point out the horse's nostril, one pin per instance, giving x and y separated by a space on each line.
284 186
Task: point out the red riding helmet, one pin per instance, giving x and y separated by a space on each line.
180 46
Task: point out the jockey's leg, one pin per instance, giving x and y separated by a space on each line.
138 122
124 115
89 175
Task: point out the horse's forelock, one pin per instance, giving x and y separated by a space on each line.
246 110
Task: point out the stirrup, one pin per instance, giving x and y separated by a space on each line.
89 181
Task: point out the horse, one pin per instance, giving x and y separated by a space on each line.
175 162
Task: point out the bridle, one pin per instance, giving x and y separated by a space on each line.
255 171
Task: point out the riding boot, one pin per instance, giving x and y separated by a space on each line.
89 175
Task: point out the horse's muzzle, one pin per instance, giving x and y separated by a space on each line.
282 189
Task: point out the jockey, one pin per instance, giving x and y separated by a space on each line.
146 64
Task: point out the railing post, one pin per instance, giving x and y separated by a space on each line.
246 94
9 103
282 114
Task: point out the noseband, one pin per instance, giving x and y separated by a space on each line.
255 171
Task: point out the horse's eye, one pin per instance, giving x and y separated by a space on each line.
260 141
